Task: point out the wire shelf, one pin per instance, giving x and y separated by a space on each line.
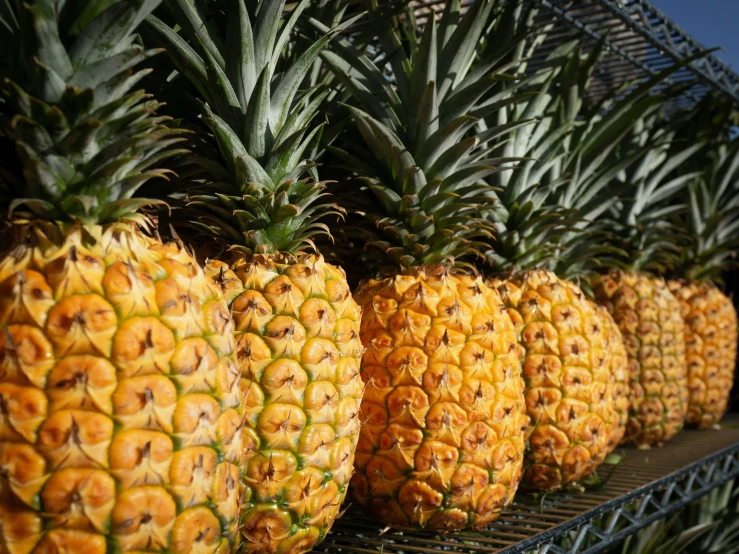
646 486
641 39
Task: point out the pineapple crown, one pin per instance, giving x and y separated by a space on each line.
529 227
711 214
262 195
548 205
648 195
78 143
553 209
710 217
424 159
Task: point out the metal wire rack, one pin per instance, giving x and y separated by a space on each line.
646 486
641 39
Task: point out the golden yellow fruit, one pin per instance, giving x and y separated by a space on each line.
648 316
711 338
299 353
565 351
113 384
442 442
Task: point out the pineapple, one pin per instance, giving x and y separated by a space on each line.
576 157
712 216
119 391
711 339
649 318
566 356
640 302
568 347
296 323
442 442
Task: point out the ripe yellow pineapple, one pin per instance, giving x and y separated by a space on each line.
441 444
296 324
646 243
297 331
117 368
579 153
566 356
120 407
710 217
711 340
569 350
648 316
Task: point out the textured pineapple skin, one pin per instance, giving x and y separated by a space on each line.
564 348
441 446
298 348
620 374
711 339
648 316
119 398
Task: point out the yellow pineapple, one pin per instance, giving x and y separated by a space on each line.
566 352
297 332
639 300
120 406
711 340
296 323
569 350
711 217
596 193
441 445
649 319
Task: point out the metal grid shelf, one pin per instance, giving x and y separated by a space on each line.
646 486
642 41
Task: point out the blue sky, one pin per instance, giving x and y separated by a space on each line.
711 22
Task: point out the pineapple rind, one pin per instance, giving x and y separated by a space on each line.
441 446
649 318
711 339
118 370
566 359
298 348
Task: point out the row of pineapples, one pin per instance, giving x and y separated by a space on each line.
218 391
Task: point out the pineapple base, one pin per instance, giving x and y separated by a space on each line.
119 397
648 316
565 347
711 339
298 349
442 442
